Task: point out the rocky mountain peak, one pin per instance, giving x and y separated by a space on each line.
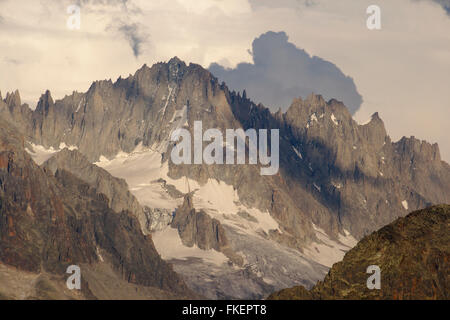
13 99
176 63
314 104
375 117
175 60
375 120
375 131
98 86
312 112
45 103
172 72
177 68
315 99
417 149
141 71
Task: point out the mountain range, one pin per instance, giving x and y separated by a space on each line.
227 231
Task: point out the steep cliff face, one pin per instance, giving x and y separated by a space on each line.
356 172
115 189
49 222
412 253
198 228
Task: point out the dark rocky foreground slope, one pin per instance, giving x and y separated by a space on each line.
50 221
413 254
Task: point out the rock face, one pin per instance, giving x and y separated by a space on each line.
361 178
115 189
157 219
413 254
49 222
198 228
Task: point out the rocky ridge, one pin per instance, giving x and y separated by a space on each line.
50 221
412 253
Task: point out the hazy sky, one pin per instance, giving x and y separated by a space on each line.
402 71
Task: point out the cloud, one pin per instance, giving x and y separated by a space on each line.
134 36
281 72
297 4
11 60
445 4
118 11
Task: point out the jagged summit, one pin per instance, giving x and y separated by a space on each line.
176 61
315 99
375 117
13 99
45 103
316 103
418 150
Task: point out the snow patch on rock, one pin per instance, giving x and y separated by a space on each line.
40 154
328 251
298 153
405 204
333 118
144 166
168 243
